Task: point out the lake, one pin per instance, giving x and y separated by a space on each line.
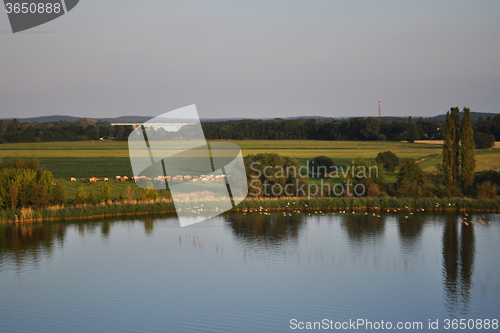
252 273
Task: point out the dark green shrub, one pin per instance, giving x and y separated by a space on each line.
321 166
489 175
149 194
389 160
25 184
105 193
486 190
81 196
58 196
265 170
483 140
410 179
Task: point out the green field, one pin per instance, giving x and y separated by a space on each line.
85 159
487 159
66 149
293 148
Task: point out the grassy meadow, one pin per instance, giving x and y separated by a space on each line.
486 159
293 148
85 159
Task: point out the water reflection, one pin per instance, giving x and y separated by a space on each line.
149 224
105 228
458 263
359 227
27 244
410 229
263 238
272 229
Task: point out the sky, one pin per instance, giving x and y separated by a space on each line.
254 59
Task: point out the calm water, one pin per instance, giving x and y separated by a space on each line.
250 273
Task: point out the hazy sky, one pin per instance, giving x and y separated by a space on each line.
254 59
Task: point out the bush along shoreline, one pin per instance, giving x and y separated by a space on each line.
292 204
85 211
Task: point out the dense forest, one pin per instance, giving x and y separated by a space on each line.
396 129
12 131
380 129
366 129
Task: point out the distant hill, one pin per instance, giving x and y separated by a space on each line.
126 119
49 119
473 115
141 119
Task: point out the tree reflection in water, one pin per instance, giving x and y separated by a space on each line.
272 229
360 227
458 263
410 229
29 243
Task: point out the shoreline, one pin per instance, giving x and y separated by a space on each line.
294 204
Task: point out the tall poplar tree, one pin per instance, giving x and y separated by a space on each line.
412 131
447 150
455 117
468 161
459 161
451 149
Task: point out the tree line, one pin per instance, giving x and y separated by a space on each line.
13 131
486 131
366 129
362 129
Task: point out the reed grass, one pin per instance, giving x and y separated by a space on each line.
163 205
443 204
122 208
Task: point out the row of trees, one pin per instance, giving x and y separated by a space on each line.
490 126
83 129
391 129
397 129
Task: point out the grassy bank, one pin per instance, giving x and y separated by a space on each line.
457 204
87 211
290 204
